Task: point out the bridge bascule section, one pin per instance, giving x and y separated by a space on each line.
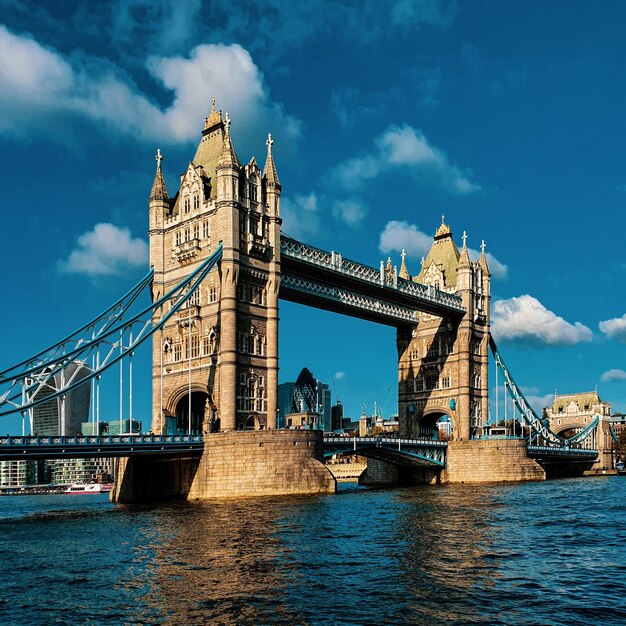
219 264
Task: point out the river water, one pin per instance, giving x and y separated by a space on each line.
534 553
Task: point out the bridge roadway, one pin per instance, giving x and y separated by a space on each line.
328 281
419 452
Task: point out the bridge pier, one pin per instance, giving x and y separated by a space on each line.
382 474
490 460
234 464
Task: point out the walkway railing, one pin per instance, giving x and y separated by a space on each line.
335 262
97 446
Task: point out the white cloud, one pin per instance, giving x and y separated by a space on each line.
612 375
301 217
351 212
105 250
615 328
538 403
38 84
525 319
339 375
404 147
398 235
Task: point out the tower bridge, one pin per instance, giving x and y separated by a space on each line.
220 264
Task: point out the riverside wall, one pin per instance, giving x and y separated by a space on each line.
234 464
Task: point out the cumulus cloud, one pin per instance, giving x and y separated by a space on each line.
301 216
399 235
340 375
615 328
105 250
38 83
612 375
404 147
525 319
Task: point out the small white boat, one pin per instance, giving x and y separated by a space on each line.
85 489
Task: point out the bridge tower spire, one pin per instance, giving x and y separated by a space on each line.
443 363
215 365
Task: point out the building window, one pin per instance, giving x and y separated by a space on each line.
445 381
196 201
433 348
187 205
431 381
178 238
176 352
205 229
206 345
187 234
196 231
212 291
415 354
195 347
419 383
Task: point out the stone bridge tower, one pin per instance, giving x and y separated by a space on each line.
215 364
443 363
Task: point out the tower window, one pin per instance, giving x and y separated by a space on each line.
187 204
196 201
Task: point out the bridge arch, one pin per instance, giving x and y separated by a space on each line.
204 416
428 423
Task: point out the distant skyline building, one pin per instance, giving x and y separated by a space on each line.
306 395
336 416
18 473
63 415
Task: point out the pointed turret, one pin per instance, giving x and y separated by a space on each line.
464 259
483 259
228 155
404 272
159 190
269 173
271 182
444 255
227 168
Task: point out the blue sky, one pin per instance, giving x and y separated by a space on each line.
508 117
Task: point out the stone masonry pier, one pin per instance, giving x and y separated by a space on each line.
234 464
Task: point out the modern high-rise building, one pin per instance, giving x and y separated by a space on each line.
336 419
306 395
63 415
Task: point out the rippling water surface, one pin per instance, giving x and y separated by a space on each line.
535 553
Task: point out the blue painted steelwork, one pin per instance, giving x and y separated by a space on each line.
564 453
90 331
585 432
426 451
118 341
613 433
30 448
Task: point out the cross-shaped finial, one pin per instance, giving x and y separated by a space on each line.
482 246
423 260
159 157
270 142
403 254
464 239
227 123
443 219
213 104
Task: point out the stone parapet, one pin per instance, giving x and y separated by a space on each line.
490 460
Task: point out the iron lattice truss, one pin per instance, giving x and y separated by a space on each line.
421 297
420 452
88 352
350 300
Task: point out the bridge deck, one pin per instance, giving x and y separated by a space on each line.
33 448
